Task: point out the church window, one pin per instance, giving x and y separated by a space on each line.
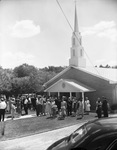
73 41
73 52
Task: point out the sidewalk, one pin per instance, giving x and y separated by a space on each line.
19 116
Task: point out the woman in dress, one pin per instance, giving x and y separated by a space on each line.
87 106
48 108
80 110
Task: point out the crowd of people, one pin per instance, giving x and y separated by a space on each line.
51 106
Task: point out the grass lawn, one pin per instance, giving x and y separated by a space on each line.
34 125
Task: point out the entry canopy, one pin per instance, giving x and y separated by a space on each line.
66 85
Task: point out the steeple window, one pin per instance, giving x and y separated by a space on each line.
81 54
73 52
73 41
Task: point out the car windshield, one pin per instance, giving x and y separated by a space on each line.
78 134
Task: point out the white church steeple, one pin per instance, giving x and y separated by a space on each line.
77 52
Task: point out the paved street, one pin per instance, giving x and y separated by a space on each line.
38 141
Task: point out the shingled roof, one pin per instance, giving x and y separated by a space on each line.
109 74
106 73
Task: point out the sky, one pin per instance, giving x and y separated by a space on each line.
37 33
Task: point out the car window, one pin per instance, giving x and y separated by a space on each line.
78 134
100 143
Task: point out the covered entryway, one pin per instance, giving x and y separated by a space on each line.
69 86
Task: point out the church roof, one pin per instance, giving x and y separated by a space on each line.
109 74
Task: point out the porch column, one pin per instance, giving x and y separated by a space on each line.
83 99
58 94
49 93
70 94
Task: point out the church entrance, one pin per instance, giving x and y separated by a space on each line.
78 95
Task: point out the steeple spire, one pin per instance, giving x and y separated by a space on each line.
77 51
76 21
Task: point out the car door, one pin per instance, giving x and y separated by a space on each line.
101 142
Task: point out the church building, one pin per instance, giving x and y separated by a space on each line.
82 81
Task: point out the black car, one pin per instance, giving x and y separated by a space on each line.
100 134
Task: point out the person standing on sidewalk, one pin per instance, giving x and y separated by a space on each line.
13 108
87 106
48 108
37 106
105 107
63 107
69 107
74 102
26 105
58 103
2 108
80 110
44 106
99 108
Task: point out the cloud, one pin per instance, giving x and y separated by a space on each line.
11 60
100 60
106 29
24 29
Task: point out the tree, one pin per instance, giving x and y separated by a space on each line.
53 69
107 66
6 76
25 79
20 86
24 70
101 66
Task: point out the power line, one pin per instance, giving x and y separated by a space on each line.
64 15
75 34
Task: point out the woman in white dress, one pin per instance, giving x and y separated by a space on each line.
87 106
48 108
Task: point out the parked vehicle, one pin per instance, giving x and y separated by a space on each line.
100 134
